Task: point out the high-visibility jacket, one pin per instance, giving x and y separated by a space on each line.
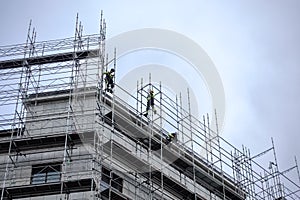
109 74
150 96
150 99
171 135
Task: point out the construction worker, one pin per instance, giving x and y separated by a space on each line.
150 102
109 80
170 137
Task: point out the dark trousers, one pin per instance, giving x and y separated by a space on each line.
150 103
109 83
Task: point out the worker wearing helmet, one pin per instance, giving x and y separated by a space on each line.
109 80
150 102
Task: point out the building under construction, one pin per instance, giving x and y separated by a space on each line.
64 136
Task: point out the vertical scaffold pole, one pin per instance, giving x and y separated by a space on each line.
141 95
100 136
210 139
137 99
150 144
220 153
205 137
192 142
277 181
251 175
70 111
112 127
161 141
177 118
182 118
297 167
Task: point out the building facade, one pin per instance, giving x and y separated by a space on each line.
64 136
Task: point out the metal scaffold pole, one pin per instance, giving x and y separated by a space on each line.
181 118
99 137
70 109
161 141
277 182
150 124
112 132
192 142
297 168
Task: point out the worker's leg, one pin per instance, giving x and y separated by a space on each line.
112 85
153 108
147 109
106 84
109 85
168 140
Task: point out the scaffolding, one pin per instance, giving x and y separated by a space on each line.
63 135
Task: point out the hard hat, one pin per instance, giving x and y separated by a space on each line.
112 70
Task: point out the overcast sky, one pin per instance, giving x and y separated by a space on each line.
254 45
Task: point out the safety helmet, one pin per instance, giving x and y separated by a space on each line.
112 70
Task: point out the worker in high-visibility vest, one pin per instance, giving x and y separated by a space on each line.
109 80
170 137
150 103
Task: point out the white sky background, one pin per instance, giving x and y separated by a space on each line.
254 44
